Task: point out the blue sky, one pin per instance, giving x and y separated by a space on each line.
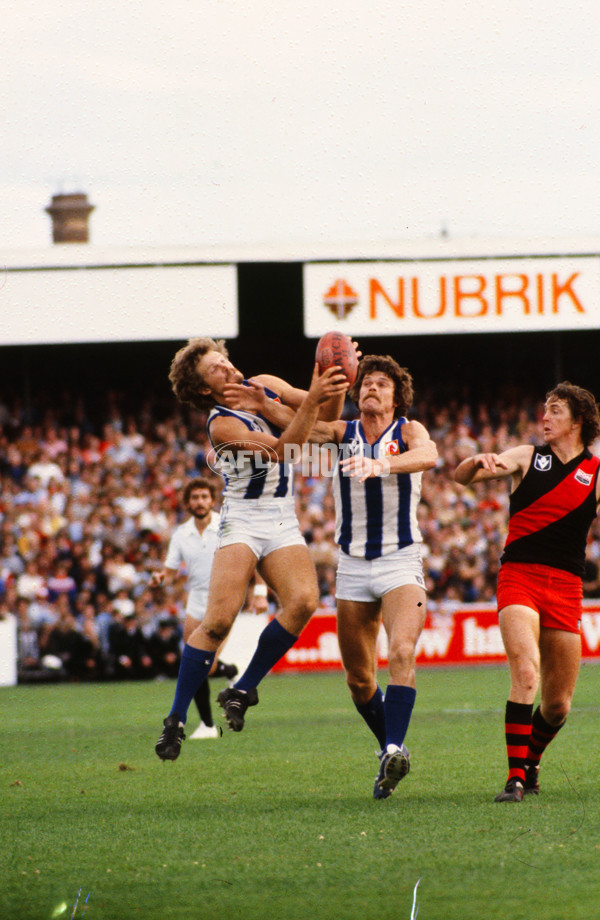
228 122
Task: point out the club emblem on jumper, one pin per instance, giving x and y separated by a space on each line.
353 447
392 448
542 462
340 298
584 478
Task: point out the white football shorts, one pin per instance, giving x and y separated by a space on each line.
196 603
368 580
263 525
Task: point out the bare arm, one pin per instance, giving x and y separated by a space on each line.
291 396
421 455
322 387
237 437
329 411
252 398
512 462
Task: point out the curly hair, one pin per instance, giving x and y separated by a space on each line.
583 407
201 482
402 379
186 382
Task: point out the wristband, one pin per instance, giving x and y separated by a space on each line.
260 590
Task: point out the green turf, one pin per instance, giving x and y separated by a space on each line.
279 822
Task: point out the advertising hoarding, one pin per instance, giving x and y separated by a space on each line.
63 303
430 296
469 636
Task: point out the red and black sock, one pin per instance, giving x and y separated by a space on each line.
540 737
517 729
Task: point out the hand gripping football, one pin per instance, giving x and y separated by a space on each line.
337 348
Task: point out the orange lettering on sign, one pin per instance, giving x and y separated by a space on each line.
502 292
559 289
540 293
415 300
460 295
375 288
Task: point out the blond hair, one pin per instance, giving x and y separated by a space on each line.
186 382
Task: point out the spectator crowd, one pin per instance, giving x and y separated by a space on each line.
88 505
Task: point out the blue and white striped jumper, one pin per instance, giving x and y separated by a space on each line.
377 516
248 478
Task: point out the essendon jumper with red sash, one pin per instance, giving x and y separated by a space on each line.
551 511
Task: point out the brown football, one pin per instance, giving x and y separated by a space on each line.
337 348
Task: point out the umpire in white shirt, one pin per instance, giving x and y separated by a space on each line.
191 550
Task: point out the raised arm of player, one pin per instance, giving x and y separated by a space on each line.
292 396
512 462
253 398
329 411
234 433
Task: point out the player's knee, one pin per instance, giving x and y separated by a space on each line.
556 711
525 674
361 685
217 628
218 634
401 653
306 601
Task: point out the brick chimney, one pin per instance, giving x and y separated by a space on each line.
70 214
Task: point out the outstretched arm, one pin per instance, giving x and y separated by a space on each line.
512 462
296 426
322 387
329 411
253 398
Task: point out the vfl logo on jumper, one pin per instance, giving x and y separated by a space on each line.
584 478
340 298
392 448
542 462
352 447
254 460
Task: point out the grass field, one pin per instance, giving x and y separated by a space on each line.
279 822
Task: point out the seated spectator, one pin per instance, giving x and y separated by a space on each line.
13 465
44 469
86 622
28 650
31 668
65 641
122 574
31 583
123 603
12 563
154 521
53 443
60 583
164 647
129 649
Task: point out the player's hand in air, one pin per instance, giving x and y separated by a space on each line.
249 398
357 349
332 382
